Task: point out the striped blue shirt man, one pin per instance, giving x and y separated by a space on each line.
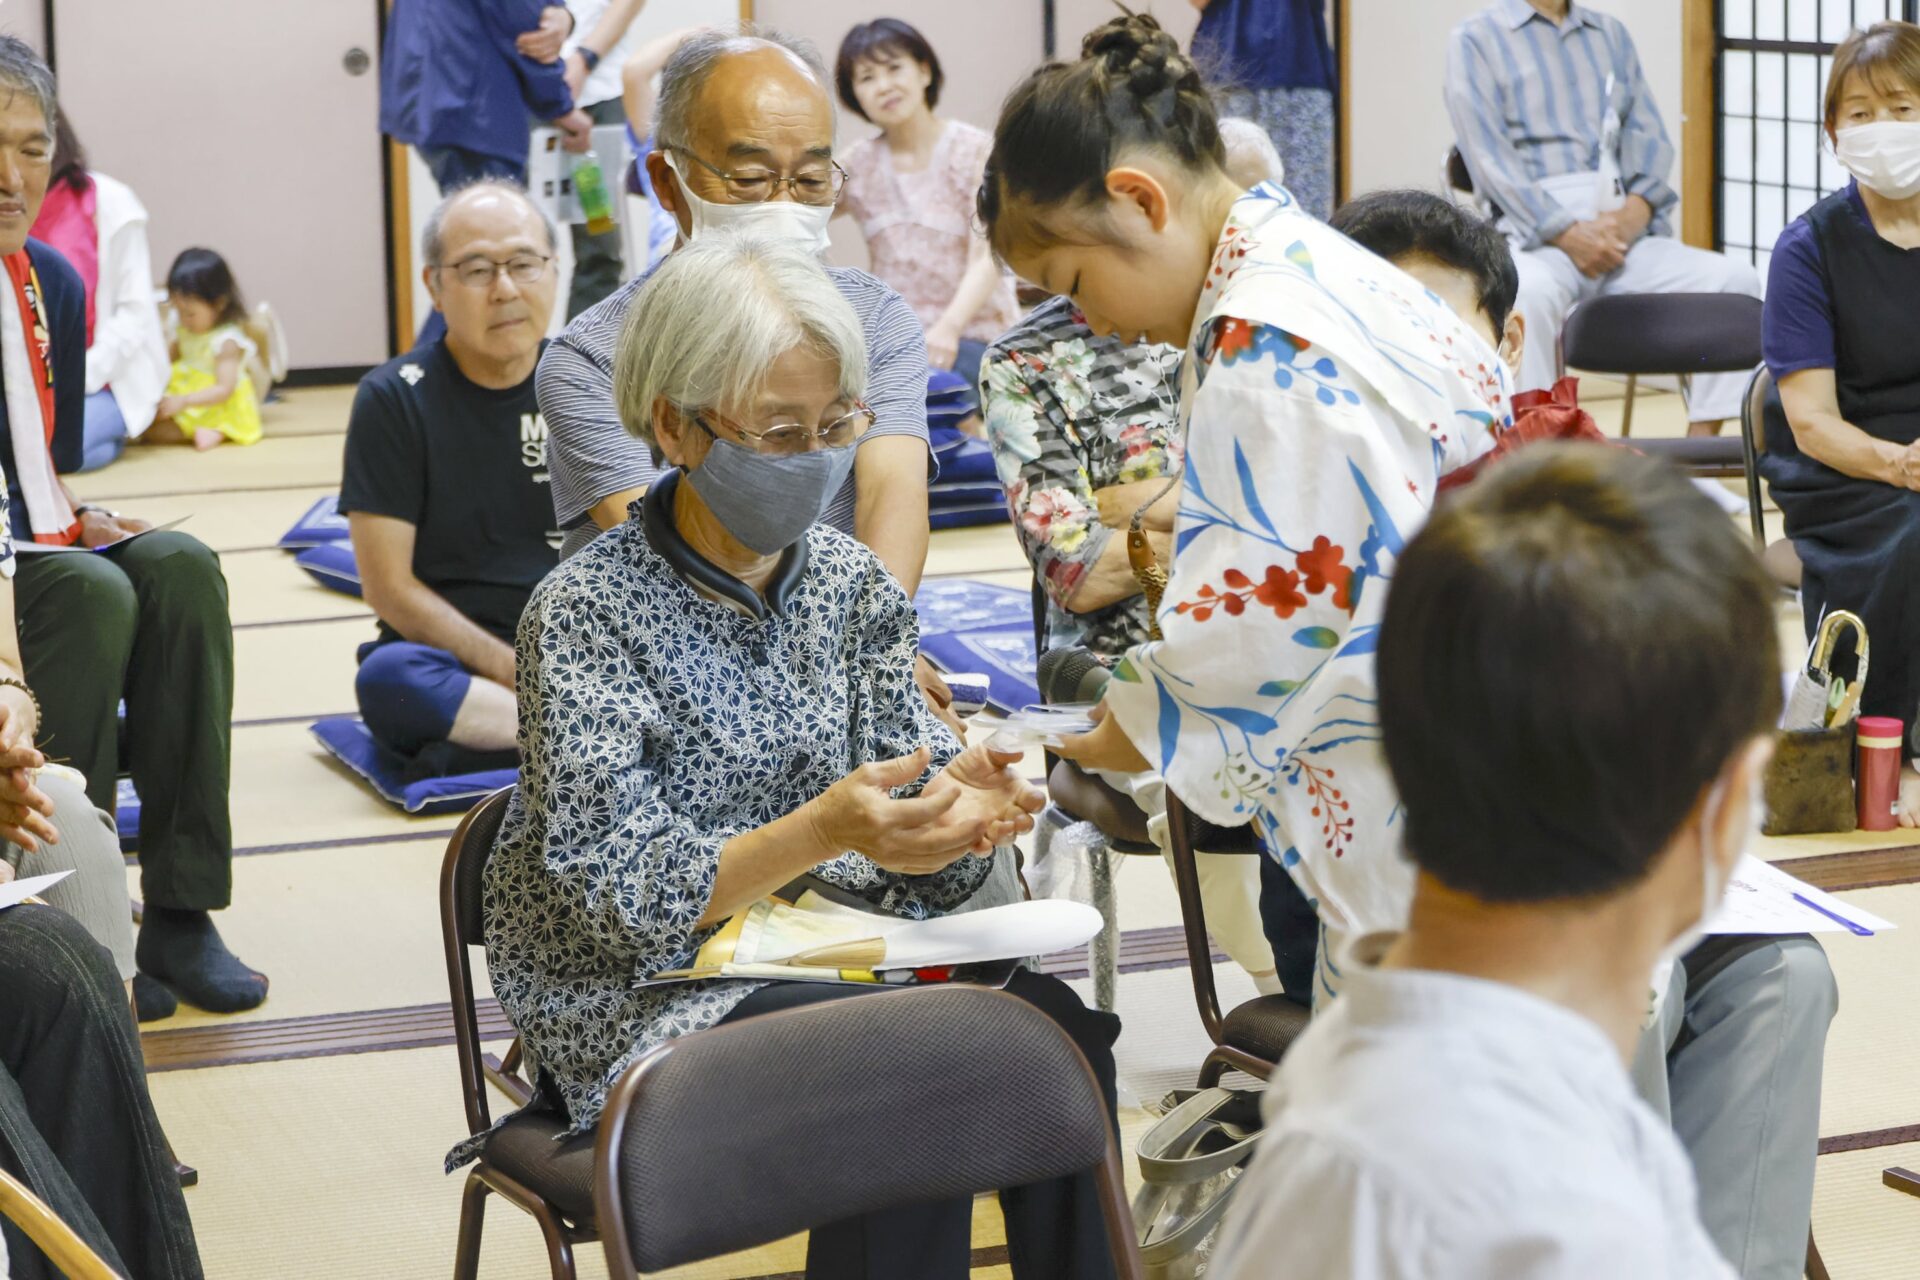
1527 97
1545 95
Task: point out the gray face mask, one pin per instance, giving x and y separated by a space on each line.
768 500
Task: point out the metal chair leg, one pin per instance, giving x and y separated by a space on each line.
1626 411
473 1212
1816 1267
559 1251
1103 953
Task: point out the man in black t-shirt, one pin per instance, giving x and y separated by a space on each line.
446 488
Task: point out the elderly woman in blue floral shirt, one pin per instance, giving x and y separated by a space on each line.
716 698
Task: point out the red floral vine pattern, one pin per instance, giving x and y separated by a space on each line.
1317 570
1336 820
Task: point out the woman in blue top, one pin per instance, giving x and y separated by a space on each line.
1269 61
1839 341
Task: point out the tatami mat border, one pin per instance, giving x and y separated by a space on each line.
345 842
301 622
1857 868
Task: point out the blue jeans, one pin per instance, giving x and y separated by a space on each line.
409 694
105 433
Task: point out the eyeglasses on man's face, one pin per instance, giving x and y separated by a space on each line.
817 183
478 272
788 437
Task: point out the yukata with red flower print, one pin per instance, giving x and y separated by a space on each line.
1325 394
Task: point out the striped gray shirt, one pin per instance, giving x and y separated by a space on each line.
1527 99
591 454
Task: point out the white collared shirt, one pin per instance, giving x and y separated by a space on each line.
1430 1126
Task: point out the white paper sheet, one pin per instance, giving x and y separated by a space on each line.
15 892
1760 899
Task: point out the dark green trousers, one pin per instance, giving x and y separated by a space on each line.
147 622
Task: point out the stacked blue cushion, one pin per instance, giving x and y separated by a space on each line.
968 490
348 741
975 626
322 523
332 566
126 818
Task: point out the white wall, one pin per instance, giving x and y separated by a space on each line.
1400 132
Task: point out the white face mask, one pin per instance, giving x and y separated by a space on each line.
1885 156
788 221
1713 877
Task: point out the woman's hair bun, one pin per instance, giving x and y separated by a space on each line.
1135 51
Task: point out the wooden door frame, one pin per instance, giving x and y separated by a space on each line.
1699 107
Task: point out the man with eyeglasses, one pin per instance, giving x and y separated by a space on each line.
445 489
745 129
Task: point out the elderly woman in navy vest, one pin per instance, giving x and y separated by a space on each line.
1839 340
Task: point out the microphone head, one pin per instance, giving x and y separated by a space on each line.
1060 673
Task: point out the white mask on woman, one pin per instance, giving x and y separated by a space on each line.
787 221
1884 155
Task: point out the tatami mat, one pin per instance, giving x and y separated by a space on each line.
287 790
1867 1231
337 930
228 522
298 670
267 586
277 462
1873 1048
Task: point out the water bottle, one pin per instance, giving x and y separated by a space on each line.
591 187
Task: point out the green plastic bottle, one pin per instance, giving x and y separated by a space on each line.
591 187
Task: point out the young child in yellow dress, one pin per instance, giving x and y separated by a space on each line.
210 398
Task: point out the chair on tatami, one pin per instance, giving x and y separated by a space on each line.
1678 334
685 1171
521 1163
1252 1036
50 1233
1759 407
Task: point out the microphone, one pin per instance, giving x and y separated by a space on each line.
1074 674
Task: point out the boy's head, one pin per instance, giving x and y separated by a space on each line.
1449 250
1578 677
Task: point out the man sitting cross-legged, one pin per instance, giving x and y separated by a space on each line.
446 488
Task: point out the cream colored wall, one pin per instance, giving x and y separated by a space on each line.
1398 122
26 19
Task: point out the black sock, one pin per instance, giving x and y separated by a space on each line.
152 1000
184 950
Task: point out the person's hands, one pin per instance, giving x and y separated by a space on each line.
1595 247
574 71
576 131
1118 502
542 44
907 836
1903 464
939 697
25 810
1106 746
6 871
990 790
98 529
169 407
943 345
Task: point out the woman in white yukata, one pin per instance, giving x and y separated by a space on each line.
1325 395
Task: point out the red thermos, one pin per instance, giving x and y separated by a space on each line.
1877 771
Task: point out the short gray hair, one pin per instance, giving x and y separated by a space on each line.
24 71
432 239
687 71
715 315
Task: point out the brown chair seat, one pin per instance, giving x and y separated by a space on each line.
1086 798
1264 1026
524 1149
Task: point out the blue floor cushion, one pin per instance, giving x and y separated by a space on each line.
349 742
332 566
126 817
962 457
957 503
975 626
322 523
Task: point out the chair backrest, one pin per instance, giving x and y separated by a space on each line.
1459 177
1754 407
1654 333
59 1241
753 1130
461 876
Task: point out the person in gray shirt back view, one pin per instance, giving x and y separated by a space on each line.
745 131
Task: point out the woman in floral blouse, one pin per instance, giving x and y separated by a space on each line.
716 698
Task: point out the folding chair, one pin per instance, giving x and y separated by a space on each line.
751 1131
60 1242
521 1162
1253 1035
1682 334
